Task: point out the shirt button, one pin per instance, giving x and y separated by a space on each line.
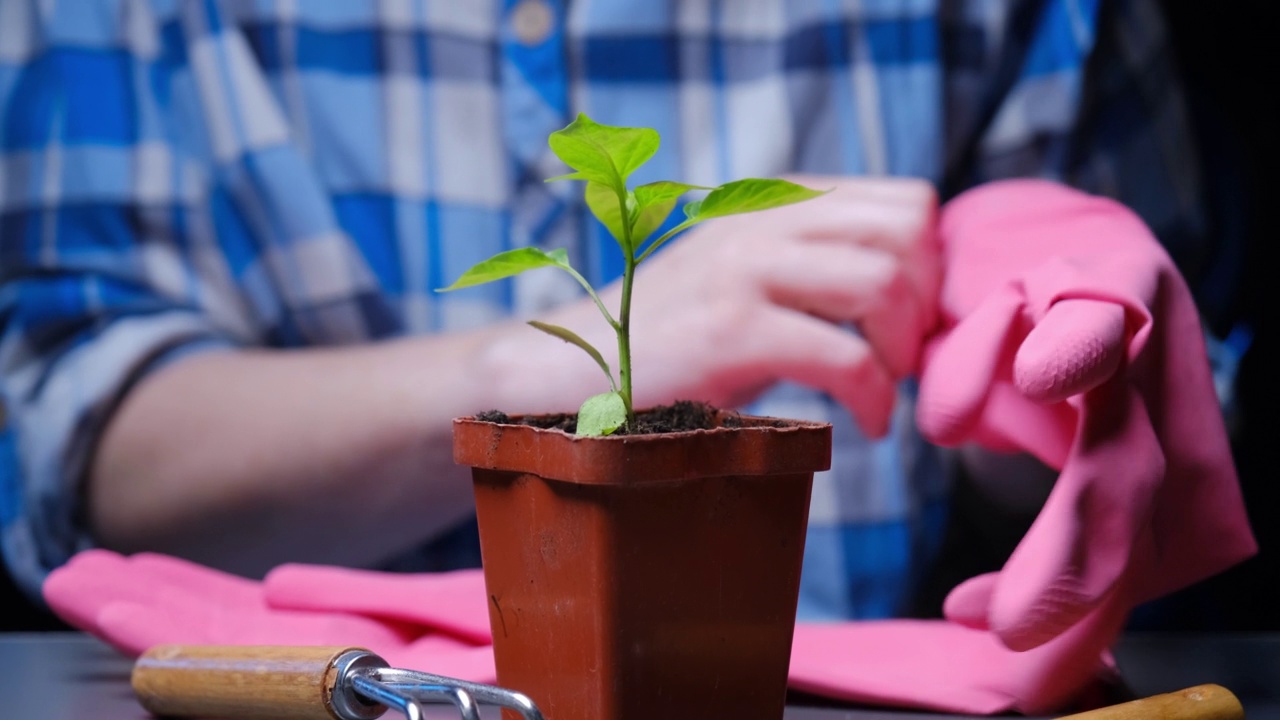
532 21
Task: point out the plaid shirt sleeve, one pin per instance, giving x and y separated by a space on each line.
105 273
181 177
186 177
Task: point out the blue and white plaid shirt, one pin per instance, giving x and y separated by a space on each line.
178 175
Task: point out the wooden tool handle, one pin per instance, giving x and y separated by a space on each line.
240 681
1202 702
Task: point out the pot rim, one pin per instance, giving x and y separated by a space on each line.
763 445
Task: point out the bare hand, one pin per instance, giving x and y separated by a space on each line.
836 293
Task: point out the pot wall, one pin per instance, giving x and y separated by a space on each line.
635 597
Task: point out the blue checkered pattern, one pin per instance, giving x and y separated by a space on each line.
178 175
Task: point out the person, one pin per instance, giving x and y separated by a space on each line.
223 225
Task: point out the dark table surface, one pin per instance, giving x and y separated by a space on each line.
69 676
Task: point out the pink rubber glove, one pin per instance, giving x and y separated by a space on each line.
453 603
1068 333
431 622
941 666
142 600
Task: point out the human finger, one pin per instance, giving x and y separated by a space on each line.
866 286
897 215
798 347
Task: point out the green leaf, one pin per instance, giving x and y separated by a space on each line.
734 198
509 263
750 195
664 190
573 338
603 153
602 414
603 202
654 202
567 176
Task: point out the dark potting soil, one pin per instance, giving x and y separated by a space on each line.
679 416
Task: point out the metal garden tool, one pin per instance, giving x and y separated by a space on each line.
301 683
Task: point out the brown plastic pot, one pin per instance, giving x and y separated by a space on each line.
644 577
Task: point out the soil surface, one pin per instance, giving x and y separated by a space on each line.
677 417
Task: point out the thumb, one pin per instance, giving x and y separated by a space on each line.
1078 344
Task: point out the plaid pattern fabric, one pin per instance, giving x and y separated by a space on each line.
178 176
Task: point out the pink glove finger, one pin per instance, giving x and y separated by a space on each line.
175 615
939 666
95 579
453 602
78 590
132 627
902 663
1084 537
960 370
216 585
969 603
446 656
1076 346
92 579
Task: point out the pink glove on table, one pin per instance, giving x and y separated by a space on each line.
439 623
436 623
945 667
1068 333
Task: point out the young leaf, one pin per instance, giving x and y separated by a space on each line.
603 202
573 338
567 176
654 202
509 263
750 195
603 153
602 414
735 198
664 190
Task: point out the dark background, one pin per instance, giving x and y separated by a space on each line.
1224 49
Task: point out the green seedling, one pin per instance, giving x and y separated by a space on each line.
604 157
